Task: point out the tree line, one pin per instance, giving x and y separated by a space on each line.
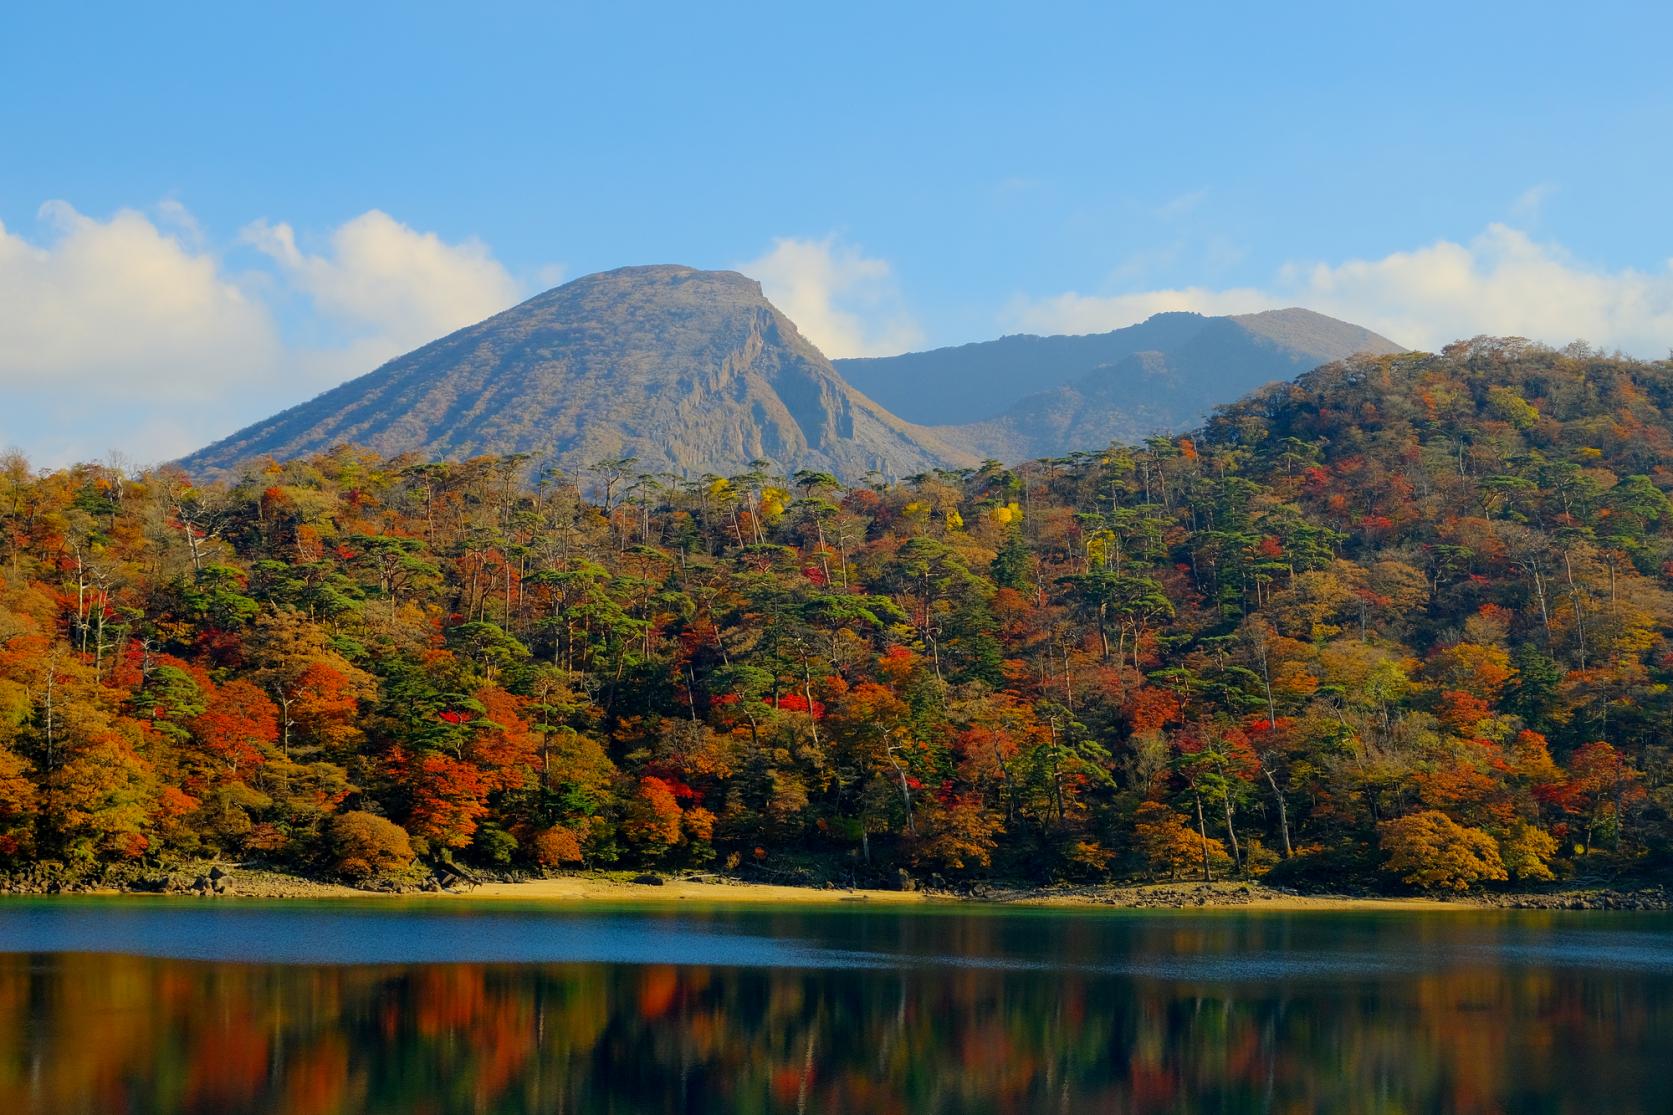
1405 620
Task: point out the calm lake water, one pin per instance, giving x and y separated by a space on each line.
110 1006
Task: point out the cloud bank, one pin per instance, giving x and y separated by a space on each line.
846 303
402 286
124 308
1502 282
135 310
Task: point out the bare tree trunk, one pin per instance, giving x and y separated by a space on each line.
905 790
1202 831
1231 831
1283 810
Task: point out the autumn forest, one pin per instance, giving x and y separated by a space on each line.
1402 624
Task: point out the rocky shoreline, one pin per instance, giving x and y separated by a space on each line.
1600 898
1189 895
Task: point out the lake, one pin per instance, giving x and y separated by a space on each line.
151 1005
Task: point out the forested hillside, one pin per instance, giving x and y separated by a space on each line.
1406 620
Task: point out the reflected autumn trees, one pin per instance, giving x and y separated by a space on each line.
125 1034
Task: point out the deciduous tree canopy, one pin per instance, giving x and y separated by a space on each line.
1405 612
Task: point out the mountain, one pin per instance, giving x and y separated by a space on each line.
693 372
969 383
688 371
1026 396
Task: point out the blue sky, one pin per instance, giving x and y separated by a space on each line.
212 211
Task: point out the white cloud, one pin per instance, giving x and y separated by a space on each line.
172 213
132 333
1182 205
396 287
1526 208
1090 313
1502 282
123 308
846 303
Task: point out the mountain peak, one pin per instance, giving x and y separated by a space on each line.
668 274
689 371
664 284
1313 333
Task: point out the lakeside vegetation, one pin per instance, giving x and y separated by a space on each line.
1402 624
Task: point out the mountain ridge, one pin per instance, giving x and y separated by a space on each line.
970 387
1151 391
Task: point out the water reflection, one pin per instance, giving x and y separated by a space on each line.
1470 1016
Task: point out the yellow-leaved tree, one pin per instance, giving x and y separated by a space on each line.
1432 851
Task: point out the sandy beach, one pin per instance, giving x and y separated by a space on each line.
622 888
584 889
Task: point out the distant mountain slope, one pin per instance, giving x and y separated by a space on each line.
1153 391
689 371
968 383
1125 401
1208 360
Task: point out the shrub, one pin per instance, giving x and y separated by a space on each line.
556 846
1258 859
1316 867
364 844
494 845
653 817
1432 851
1527 851
1171 846
956 835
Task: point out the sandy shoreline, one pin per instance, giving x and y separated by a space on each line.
621 889
582 889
